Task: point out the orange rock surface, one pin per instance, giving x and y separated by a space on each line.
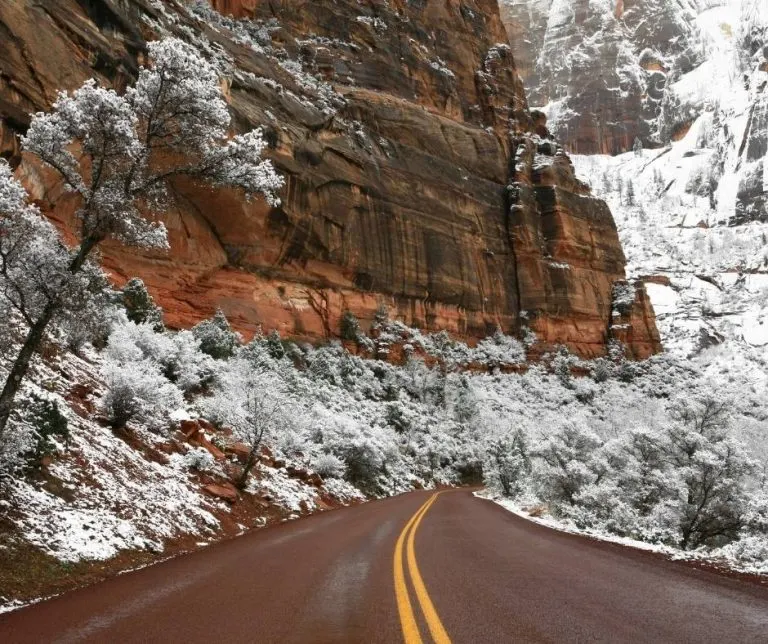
427 188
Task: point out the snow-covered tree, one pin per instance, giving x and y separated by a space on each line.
139 304
349 328
508 463
713 468
567 460
118 154
260 414
253 402
34 281
216 336
630 193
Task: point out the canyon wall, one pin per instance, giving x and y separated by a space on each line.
609 73
600 69
416 177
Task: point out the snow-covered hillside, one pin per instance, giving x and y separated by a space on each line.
694 210
607 71
687 81
692 215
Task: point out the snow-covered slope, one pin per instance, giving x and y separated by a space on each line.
692 215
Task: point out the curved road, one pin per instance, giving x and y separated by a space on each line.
419 567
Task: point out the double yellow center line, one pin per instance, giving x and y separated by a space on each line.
408 622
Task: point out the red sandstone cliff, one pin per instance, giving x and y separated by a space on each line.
414 179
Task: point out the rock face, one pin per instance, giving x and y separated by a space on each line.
607 73
417 179
602 67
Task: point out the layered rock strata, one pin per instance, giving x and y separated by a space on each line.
416 178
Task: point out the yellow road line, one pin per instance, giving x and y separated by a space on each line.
436 627
408 622
407 619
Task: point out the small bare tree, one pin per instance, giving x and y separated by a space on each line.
259 417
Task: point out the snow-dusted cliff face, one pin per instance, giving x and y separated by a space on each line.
692 213
608 71
601 69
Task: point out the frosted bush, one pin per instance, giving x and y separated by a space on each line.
565 458
187 365
328 466
199 459
137 391
19 440
216 337
507 464
178 355
499 350
750 553
139 305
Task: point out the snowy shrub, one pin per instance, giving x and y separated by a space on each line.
328 466
507 464
750 552
131 342
186 364
350 327
364 464
756 513
601 507
17 442
499 350
177 354
216 337
137 391
565 460
91 324
139 305
199 459
274 344
50 426
562 365
601 370
713 497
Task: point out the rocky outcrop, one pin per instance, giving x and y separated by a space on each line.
602 68
416 178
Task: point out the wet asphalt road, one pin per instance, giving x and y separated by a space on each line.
418 567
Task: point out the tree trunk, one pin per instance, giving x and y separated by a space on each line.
21 365
34 340
253 457
242 480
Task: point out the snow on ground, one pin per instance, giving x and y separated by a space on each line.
288 492
103 495
116 499
676 208
726 557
